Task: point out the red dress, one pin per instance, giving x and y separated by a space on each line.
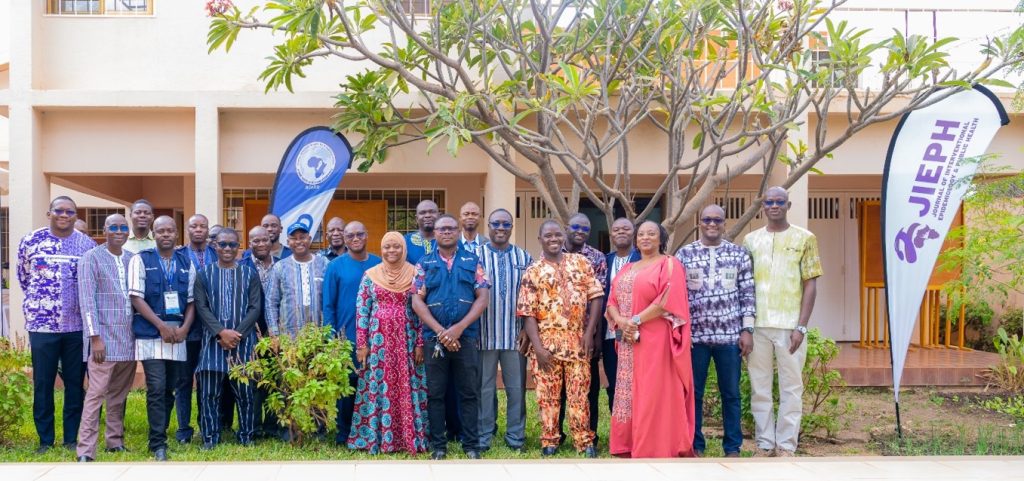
653 416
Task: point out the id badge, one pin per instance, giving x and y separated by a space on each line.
171 305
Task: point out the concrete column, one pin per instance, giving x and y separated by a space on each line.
188 201
207 191
499 191
29 196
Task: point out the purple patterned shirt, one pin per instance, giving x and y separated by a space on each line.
48 275
597 260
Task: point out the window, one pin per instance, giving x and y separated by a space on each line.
5 234
99 7
95 218
820 56
401 204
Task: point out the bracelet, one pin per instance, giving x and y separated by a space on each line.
635 320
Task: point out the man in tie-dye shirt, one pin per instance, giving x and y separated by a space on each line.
48 275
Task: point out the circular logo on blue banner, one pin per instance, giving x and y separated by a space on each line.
315 163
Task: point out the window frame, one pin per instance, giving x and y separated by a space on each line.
54 8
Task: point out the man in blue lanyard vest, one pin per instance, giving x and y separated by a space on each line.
160 286
451 294
201 254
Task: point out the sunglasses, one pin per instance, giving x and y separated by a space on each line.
580 228
228 245
356 235
501 225
67 212
445 230
774 203
712 220
118 228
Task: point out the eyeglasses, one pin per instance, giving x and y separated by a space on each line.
445 230
501 225
228 245
67 212
774 203
712 220
118 228
580 228
355 235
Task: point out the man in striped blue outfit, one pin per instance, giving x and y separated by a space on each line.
228 304
504 265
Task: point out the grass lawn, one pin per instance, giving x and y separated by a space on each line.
136 428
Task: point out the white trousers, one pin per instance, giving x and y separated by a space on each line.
771 348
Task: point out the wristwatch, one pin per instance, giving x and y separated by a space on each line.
748 329
802 329
635 320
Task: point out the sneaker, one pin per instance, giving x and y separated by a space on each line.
589 452
438 455
548 451
473 454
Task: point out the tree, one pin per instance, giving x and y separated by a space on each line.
562 85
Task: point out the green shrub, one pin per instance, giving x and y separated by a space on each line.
1012 321
1012 406
1009 373
15 388
304 376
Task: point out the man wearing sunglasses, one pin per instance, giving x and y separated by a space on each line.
451 294
341 288
578 233
48 275
720 286
504 264
786 268
109 343
228 298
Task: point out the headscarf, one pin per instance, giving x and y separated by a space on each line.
393 276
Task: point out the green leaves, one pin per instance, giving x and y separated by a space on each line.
305 377
15 389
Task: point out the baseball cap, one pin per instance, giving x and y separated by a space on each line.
297 227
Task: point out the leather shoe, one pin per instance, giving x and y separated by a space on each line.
438 455
473 454
698 453
589 452
84 459
160 454
118 449
548 451
732 455
43 449
208 446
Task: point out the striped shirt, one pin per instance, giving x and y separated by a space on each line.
103 299
499 324
227 299
294 296
48 275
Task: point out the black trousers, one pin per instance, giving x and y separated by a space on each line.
49 350
443 370
161 378
610 359
592 397
183 392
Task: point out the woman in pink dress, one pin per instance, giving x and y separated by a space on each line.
653 415
391 400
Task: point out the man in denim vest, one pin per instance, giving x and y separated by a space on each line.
160 286
451 294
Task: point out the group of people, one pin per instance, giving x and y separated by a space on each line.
432 319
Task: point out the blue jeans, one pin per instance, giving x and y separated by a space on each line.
727 365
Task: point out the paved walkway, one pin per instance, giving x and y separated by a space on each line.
816 469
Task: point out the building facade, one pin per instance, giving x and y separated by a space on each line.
111 101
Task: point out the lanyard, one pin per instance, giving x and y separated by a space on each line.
168 269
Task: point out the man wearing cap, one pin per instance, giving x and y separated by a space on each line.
294 297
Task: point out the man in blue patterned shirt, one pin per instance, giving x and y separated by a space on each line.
504 265
720 282
48 275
